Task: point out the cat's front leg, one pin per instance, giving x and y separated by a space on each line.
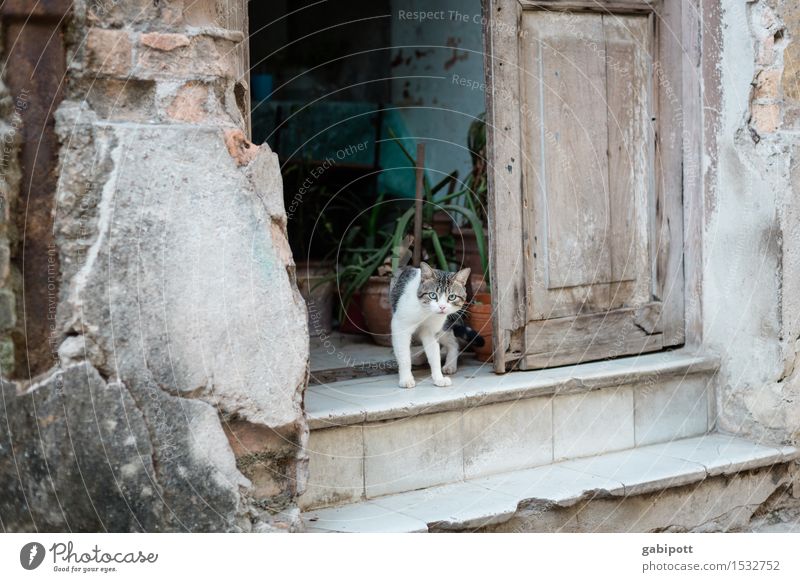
401 342
450 344
431 346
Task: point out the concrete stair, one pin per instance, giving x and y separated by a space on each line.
382 458
487 501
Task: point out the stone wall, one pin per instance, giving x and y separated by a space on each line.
751 298
174 399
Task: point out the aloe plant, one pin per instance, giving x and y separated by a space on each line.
367 245
449 203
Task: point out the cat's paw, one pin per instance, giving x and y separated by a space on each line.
407 382
443 381
448 369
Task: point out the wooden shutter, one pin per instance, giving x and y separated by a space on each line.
585 201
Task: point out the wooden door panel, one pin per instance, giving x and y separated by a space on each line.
567 340
630 138
588 178
569 170
600 211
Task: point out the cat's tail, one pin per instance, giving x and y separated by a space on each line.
469 335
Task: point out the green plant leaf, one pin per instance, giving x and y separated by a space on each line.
437 246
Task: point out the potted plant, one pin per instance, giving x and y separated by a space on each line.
435 210
364 251
370 255
312 211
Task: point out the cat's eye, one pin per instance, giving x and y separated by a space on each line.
452 297
432 296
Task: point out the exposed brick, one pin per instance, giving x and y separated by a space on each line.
766 52
791 55
767 84
189 104
123 12
766 117
265 456
204 56
109 51
791 117
164 41
201 14
122 99
240 149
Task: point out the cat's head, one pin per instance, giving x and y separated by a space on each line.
442 292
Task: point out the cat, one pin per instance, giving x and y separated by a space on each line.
427 304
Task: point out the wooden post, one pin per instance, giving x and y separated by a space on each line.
418 208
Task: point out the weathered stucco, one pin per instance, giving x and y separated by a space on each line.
751 299
174 401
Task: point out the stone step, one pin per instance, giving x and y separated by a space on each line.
488 501
371 438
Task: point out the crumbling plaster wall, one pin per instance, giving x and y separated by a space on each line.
174 401
751 298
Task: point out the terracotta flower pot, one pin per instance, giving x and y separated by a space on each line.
317 286
353 321
377 310
480 319
442 223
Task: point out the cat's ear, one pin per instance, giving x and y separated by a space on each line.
463 276
426 270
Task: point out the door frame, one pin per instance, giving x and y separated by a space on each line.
680 21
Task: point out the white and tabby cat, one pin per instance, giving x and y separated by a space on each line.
426 304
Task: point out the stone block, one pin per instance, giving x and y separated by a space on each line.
203 56
411 453
8 309
765 52
6 356
592 423
164 41
109 52
122 99
766 117
639 471
791 54
362 518
507 436
225 352
670 410
5 261
767 84
335 466
190 103
791 116
124 12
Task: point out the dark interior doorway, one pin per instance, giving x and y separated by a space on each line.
343 92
